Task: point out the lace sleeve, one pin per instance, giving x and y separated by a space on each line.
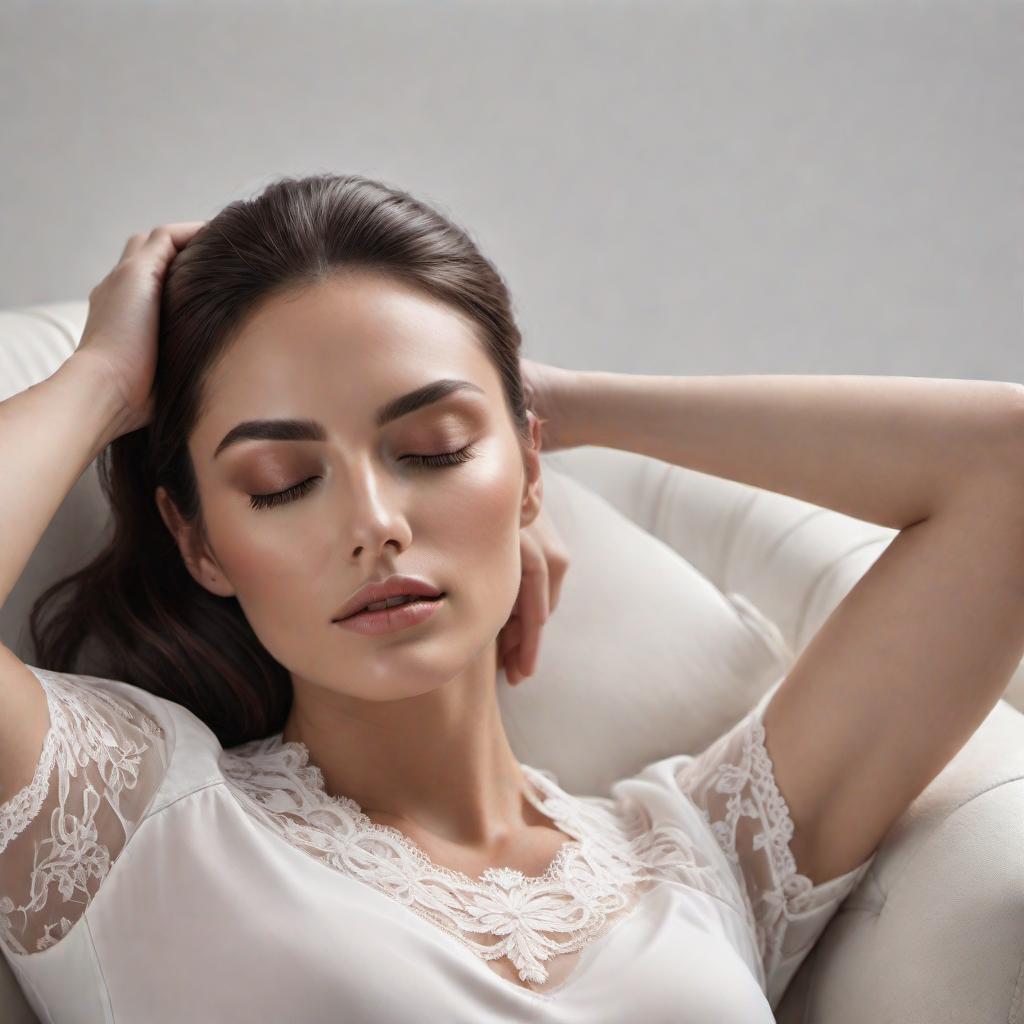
102 761
732 783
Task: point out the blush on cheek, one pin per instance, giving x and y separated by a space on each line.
486 539
491 502
280 578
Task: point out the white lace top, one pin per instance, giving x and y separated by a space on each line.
149 875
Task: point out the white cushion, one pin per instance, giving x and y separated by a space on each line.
642 658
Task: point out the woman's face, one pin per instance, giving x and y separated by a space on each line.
337 353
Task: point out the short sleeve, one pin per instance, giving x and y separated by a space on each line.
102 761
732 783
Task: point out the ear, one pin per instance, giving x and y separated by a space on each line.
195 553
533 482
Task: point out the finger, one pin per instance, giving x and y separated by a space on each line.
509 638
529 669
556 558
533 611
133 243
178 234
501 651
509 643
534 587
512 673
557 568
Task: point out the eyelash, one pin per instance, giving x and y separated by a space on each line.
261 501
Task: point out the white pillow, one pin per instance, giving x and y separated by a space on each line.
643 657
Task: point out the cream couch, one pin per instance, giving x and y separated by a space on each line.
687 598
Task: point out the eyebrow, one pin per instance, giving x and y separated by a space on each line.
313 430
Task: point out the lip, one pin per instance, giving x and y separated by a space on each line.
389 620
381 590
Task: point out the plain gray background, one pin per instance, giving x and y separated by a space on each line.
675 187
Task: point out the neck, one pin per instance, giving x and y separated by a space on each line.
438 761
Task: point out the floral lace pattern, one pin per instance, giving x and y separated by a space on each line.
614 855
733 784
101 762
103 759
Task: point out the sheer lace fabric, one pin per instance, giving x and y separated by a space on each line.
732 783
714 824
102 761
593 882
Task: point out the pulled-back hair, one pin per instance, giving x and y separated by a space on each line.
134 613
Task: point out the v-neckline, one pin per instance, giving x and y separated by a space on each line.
504 891
543 793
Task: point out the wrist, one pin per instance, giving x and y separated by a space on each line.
577 403
94 377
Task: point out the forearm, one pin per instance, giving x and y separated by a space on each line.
888 450
49 434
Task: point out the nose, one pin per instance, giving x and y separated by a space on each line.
373 513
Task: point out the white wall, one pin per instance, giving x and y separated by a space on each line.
667 187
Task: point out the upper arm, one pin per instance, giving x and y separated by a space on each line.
900 675
733 785
24 721
92 777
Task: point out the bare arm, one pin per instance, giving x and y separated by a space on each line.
49 433
888 450
914 658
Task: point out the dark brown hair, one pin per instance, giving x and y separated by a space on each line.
135 612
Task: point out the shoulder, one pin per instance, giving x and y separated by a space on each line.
104 760
109 721
102 735
82 699
113 756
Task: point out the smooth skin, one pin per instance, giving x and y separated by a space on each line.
373 513
891 687
406 724
918 653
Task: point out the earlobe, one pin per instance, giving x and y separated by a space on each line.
201 569
531 509
207 575
217 585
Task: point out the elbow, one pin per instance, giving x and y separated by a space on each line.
1002 448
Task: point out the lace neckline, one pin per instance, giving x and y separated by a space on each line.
615 853
542 791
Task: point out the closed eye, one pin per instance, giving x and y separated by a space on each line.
260 501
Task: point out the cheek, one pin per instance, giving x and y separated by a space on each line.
265 556
274 567
483 545
484 509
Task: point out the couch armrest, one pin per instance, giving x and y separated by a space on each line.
935 931
792 559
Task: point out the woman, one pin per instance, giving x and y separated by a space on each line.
319 393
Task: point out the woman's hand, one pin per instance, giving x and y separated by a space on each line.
120 332
545 560
549 393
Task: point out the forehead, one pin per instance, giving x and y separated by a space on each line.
338 349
